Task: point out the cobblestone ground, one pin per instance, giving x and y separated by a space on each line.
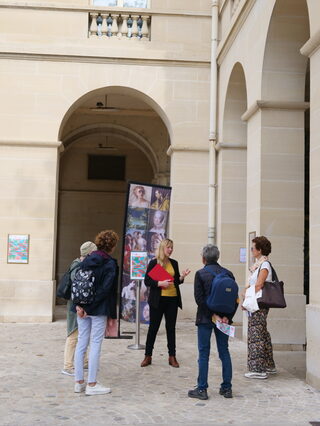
33 391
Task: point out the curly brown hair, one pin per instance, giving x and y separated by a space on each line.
106 240
262 243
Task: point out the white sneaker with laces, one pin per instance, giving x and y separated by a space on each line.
255 375
97 389
68 371
79 387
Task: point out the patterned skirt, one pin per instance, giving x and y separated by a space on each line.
260 354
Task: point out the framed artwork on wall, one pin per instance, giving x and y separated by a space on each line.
18 248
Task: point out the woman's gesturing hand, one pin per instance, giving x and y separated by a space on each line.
184 274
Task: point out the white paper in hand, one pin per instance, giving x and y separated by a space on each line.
225 328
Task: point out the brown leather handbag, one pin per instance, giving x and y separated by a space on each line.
272 293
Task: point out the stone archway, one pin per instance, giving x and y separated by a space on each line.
106 123
232 165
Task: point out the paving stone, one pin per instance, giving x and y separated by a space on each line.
33 391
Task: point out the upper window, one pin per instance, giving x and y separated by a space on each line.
122 3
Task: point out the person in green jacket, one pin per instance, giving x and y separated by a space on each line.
72 326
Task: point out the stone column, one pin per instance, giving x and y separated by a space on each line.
189 213
275 204
28 191
311 49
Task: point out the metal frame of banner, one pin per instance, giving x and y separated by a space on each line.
137 344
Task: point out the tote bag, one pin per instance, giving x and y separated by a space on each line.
272 293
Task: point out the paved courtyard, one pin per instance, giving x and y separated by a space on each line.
34 392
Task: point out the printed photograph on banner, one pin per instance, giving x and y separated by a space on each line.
138 265
128 311
137 218
153 241
139 240
139 196
144 313
127 248
160 199
129 288
157 221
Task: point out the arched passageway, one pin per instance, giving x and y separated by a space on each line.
110 136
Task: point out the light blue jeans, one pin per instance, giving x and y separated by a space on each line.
91 330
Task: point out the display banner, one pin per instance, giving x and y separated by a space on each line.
146 225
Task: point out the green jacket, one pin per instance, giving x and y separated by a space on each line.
72 324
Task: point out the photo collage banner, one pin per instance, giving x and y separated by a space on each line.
146 225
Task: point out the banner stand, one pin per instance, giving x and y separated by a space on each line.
137 345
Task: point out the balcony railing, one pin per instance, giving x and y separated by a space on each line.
120 25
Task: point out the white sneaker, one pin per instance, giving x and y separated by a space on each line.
68 371
98 389
254 375
271 371
79 387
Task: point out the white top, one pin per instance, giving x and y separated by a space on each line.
254 276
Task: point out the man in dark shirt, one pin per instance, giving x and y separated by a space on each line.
205 324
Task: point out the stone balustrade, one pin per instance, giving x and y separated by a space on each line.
120 25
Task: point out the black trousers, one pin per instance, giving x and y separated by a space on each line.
168 306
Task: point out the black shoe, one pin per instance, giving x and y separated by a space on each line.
198 393
227 393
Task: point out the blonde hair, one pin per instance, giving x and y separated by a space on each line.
161 257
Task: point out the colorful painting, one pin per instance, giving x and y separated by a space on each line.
18 248
138 266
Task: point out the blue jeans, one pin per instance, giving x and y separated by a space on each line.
91 330
204 341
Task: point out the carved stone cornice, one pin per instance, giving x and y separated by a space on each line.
275 105
37 144
227 145
179 148
76 8
85 58
312 45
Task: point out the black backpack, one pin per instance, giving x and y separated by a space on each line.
223 293
64 287
83 289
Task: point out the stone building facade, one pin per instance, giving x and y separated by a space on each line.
219 99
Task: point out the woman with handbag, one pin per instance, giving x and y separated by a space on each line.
260 353
164 299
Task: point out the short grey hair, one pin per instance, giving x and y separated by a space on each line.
210 253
